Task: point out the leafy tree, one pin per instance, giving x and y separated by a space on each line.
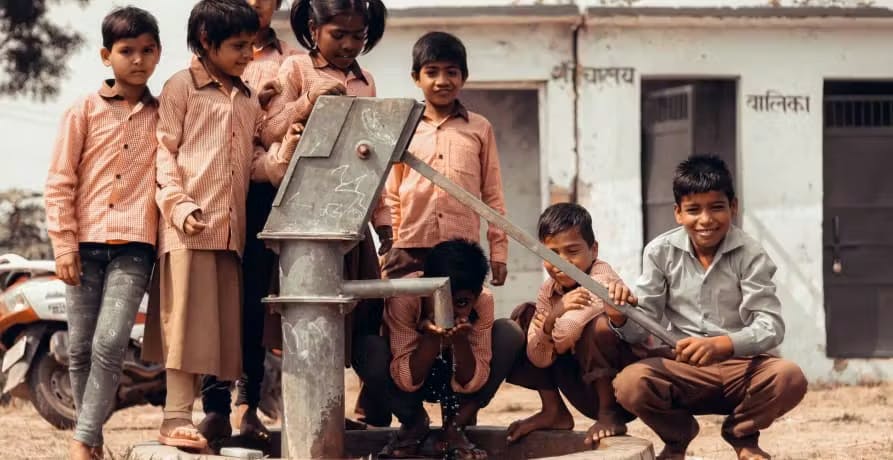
33 50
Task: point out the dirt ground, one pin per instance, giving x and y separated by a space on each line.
831 423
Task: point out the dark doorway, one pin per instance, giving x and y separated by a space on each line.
514 114
858 218
681 118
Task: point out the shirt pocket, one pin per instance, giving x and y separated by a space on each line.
465 155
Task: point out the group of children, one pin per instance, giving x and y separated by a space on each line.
180 186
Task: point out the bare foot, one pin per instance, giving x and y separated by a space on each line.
671 454
406 441
677 451
559 419
250 425
603 428
752 453
215 426
457 446
79 451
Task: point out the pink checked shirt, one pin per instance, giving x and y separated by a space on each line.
101 181
463 148
207 153
542 349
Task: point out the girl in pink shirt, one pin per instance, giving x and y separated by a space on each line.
336 32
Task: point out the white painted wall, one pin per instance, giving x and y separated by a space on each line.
497 57
779 157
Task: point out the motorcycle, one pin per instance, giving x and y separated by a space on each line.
34 337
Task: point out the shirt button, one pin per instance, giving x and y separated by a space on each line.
125 146
440 215
118 176
440 156
111 205
130 118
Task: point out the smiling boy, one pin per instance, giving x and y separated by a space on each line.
459 144
713 283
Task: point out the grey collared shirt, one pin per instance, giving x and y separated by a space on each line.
734 296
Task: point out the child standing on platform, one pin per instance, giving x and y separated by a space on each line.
206 155
102 219
258 262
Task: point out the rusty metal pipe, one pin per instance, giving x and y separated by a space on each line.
537 248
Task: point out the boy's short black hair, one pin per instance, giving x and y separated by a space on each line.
702 174
219 20
561 217
439 46
463 261
128 22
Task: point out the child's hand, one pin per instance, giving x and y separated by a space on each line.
577 299
68 268
267 92
703 351
386 238
461 330
620 295
326 87
426 319
194 224
500 271
539 320
291 140
427 326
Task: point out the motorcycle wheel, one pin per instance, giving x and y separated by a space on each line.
51 391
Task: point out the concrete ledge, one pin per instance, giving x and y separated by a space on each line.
541 444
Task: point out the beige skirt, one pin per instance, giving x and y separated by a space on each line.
195 313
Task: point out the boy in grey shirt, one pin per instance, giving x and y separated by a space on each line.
713 283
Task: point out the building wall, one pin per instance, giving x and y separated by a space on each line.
779 154
779 161
498 56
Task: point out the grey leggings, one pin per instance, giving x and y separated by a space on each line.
101 312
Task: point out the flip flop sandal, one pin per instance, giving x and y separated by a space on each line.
181 442
401 448
470 452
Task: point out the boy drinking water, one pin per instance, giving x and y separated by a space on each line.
712 282
419 361
102 219
571 348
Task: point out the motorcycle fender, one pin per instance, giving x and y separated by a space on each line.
17 361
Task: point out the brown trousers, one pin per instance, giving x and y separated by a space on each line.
753 392
598 353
